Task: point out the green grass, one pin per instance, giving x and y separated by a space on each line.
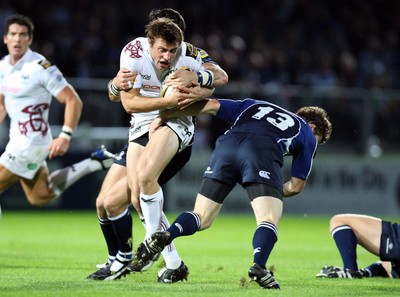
50 253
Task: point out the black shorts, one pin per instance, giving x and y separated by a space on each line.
246 159
217 190
390 242
173 167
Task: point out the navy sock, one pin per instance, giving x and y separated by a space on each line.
346 242
187 223
122 226
109 236
264 240
376 269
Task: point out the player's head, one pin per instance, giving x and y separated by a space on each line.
165 38
319 121
169 13
165 29
22 21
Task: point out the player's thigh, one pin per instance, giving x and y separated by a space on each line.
161 148
267 209
7 178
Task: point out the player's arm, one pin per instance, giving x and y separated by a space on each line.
72 115
293 187
220 76
133 102
209 106
123 81
3 111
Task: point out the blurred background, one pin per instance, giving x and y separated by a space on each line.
341 55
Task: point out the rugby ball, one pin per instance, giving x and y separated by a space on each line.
166 90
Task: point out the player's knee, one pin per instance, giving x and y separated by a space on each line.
336 221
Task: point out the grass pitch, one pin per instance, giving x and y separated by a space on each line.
50 253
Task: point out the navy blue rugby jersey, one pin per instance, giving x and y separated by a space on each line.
292 133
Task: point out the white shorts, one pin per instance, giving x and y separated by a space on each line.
26 160
183 128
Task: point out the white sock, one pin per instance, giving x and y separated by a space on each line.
63 178
152 206
170 254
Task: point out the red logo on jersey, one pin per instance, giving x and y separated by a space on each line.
36 123
134 49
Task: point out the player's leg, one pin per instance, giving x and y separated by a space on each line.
43 188
267 206
62 179
7 178
361 229
159 151
348 230
115 173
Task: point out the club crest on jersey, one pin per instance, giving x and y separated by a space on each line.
45 63
134 49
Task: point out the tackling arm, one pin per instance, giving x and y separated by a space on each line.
293 187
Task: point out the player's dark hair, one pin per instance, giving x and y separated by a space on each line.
20 20
169 13
317 116
165 29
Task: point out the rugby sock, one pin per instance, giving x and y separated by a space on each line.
152 206
122 225
263 242
187 223
170 254
110 237
375 269
62 179
346 242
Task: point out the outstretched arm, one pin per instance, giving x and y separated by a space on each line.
209 106
293 187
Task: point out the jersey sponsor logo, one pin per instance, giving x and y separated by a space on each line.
45 63
146 76
36 122
134 49
151 87
265 174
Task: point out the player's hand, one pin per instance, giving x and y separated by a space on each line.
192 94
181 77
125 79
58 147
155 125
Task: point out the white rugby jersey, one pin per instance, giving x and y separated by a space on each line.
135 56
28 87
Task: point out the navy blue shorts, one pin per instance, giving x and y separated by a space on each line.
390 242
173 167
245 159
